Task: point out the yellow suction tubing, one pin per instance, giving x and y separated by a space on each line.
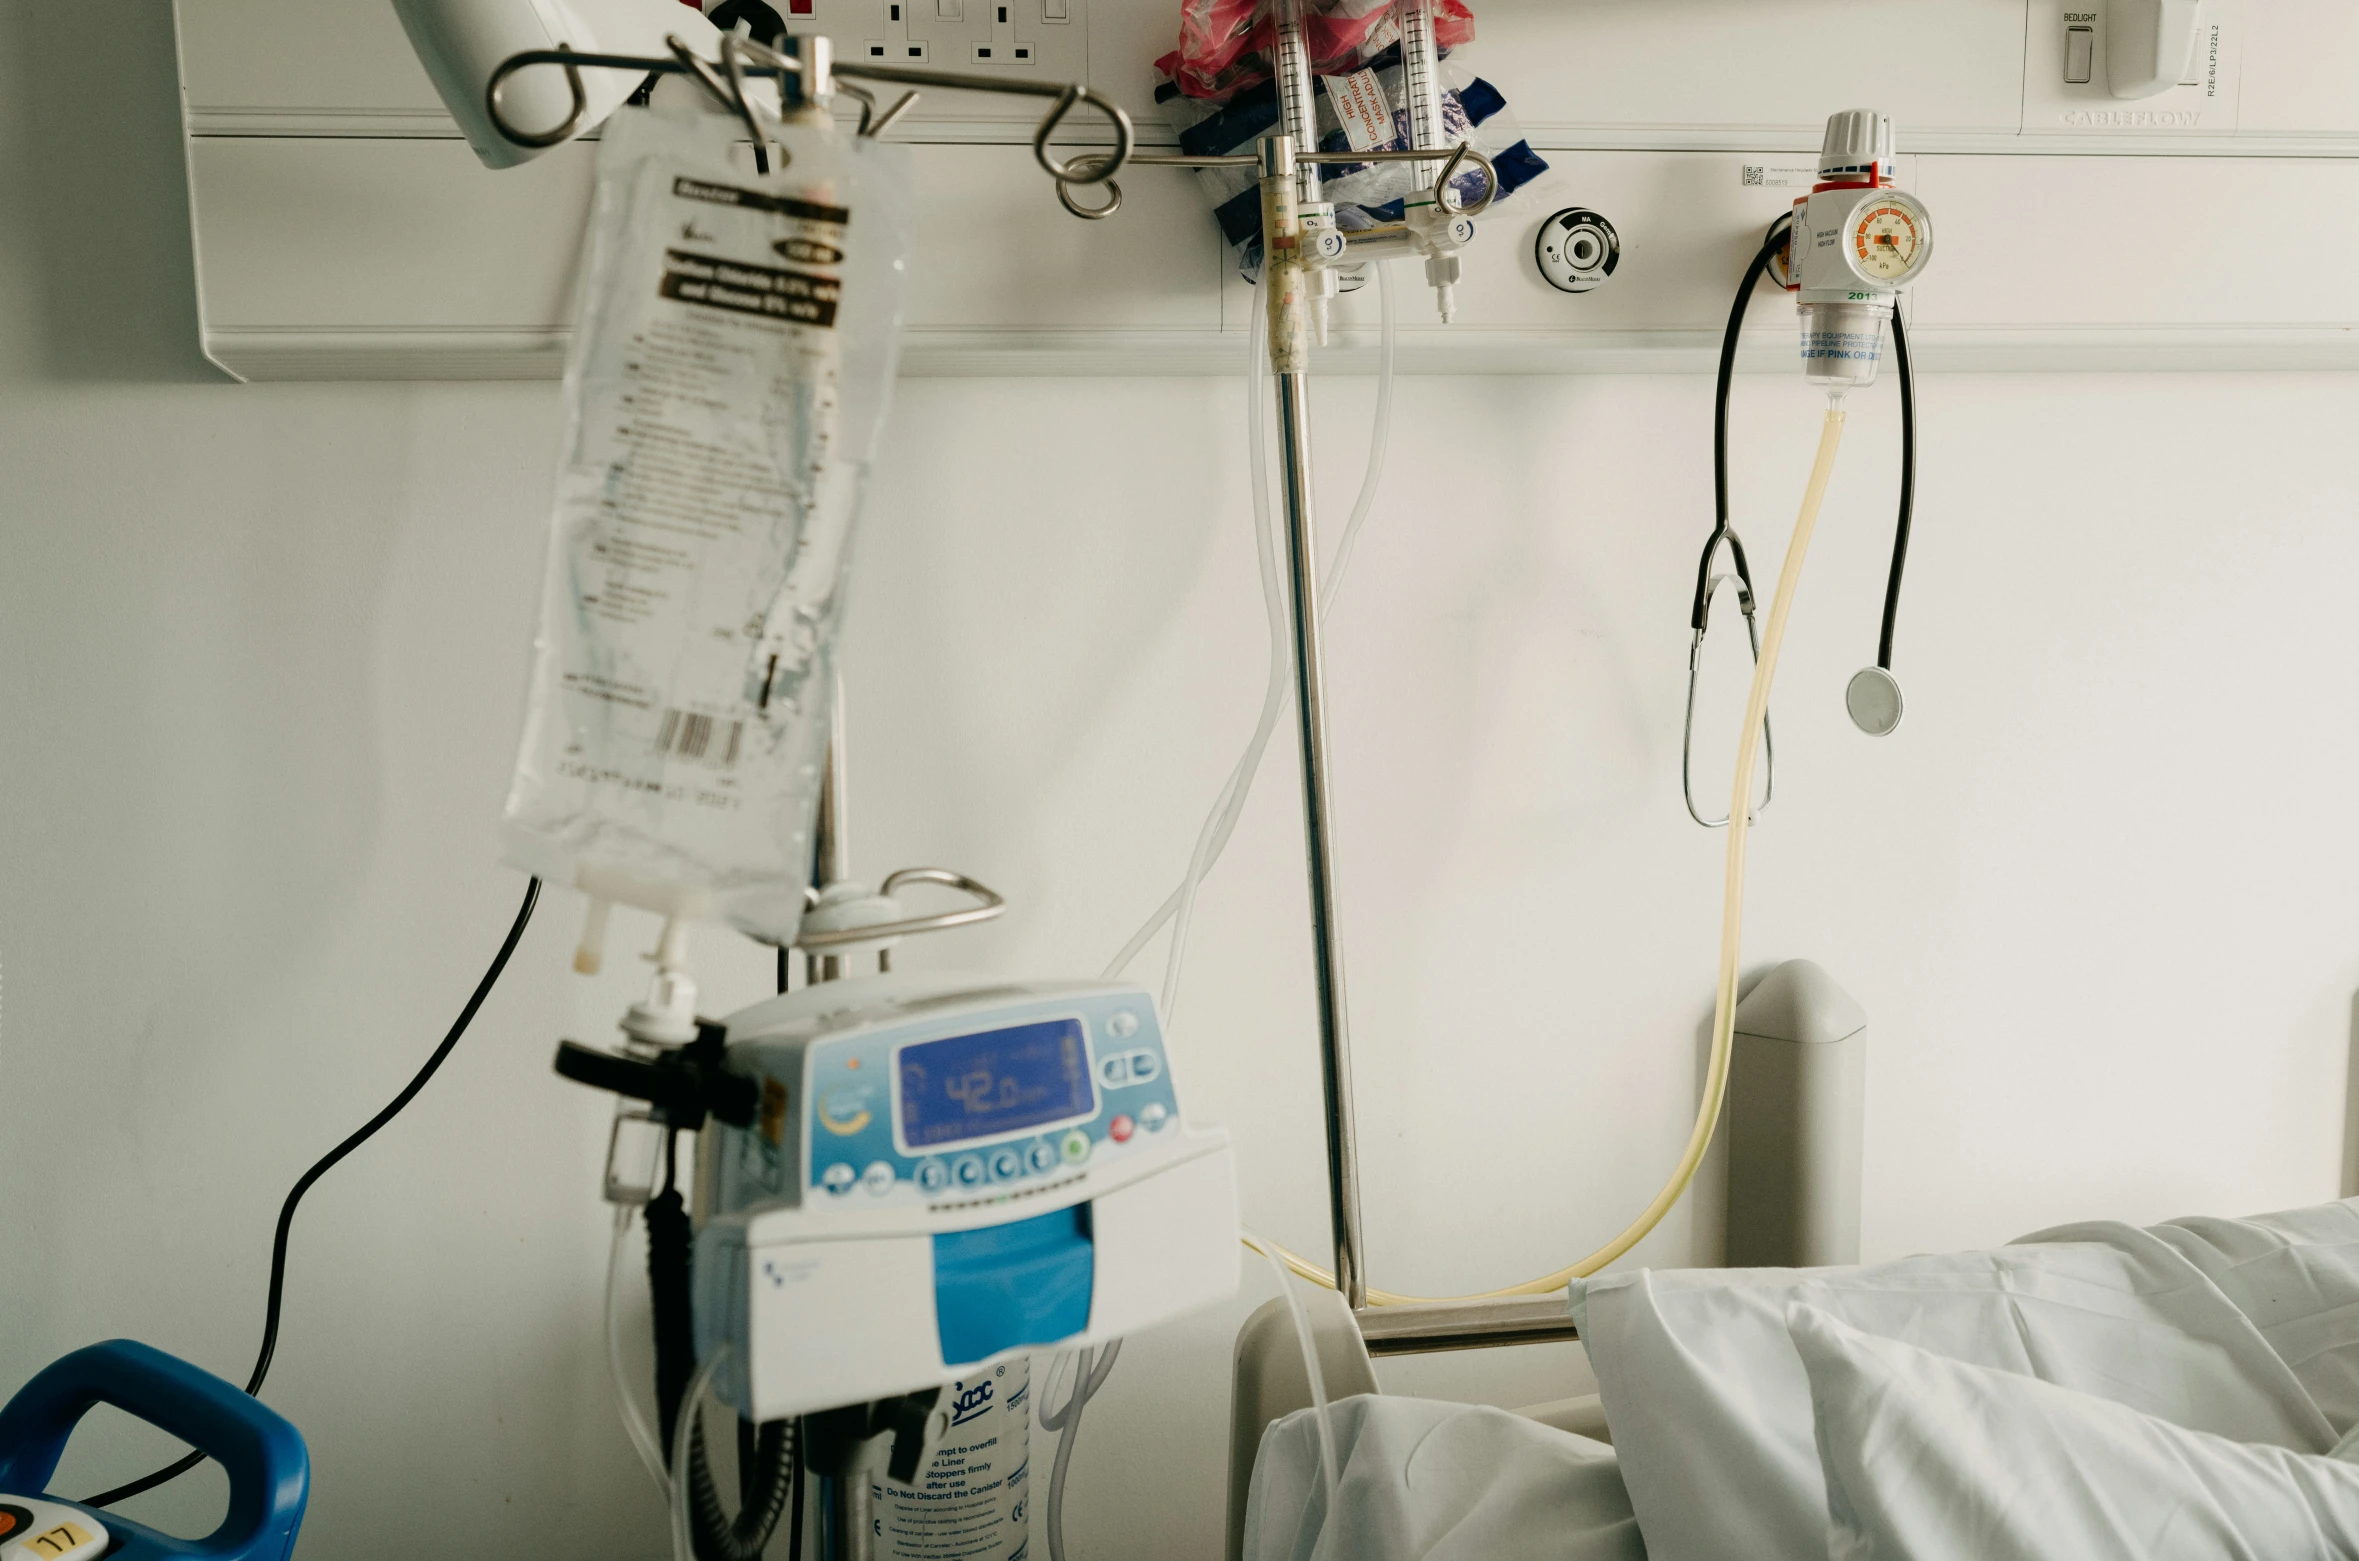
1732 922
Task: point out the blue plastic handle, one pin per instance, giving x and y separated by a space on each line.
269 1470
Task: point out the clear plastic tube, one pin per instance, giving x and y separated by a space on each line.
1090 1371
683 1547
1732 918
1221 822
1329 1468
634 1419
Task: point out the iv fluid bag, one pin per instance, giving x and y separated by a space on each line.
732 357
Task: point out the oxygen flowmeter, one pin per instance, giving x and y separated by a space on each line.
1846 252
1856 243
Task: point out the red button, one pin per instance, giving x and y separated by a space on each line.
1120 1129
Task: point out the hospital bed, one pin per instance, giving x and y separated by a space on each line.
1271 1383
2189 1389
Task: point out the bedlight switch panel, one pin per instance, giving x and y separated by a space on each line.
2074 74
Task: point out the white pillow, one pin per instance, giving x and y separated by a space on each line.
2295 1274
1427 1481
1711 1411
1929 1459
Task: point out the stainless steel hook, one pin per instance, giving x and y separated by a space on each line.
540 140
1087 168
741 58
1695 656
727 85
872 123
1459 155
1090 213
989 904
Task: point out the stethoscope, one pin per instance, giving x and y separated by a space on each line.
1873 696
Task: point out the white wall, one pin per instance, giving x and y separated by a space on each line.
261 654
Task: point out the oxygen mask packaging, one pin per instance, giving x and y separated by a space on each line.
1358 79
732 358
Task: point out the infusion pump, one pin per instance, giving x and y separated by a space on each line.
943 1171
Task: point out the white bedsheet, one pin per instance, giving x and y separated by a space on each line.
1930 1459
1427 1481
2246 1330
1711 1409
2295 1274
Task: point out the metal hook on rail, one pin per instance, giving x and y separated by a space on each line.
989 904
1441 187
1458 156
1710 589
1088 167
727 86
541 140
872 123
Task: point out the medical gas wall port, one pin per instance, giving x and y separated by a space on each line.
1576 250
943 1172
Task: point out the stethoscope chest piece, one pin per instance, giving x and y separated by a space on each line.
1873 698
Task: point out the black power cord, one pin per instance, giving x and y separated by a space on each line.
327 1163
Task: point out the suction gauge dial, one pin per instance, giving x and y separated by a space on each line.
1888 239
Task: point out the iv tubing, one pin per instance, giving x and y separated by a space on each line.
1310 1361
1222 821
1732 917
1065 1419
634 1419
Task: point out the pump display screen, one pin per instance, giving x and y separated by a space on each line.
993 1082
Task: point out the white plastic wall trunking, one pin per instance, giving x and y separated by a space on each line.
343 231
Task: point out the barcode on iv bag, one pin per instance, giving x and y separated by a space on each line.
700 739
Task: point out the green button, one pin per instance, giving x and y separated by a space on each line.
1076 1147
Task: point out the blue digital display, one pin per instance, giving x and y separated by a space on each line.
994 1082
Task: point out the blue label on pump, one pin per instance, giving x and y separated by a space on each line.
1025 1282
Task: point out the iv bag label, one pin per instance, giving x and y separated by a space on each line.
767 291
759 200
1361 108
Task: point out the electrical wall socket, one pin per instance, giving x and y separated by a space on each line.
1047 40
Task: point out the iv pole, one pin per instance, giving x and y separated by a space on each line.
1285 286
1291 254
